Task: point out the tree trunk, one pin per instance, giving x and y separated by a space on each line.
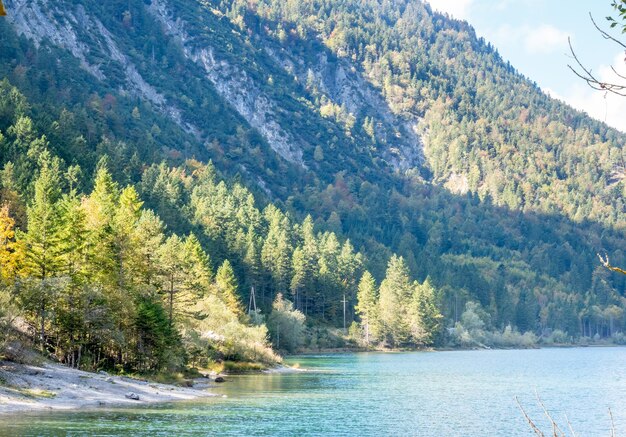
171 299
42 329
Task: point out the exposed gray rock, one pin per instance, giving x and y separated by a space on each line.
235 86
63 29
344 85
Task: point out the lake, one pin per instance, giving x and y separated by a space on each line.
456 393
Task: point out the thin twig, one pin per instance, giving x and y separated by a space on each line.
589 77
605 34
617 74
555 428
569 425
534 427
612 423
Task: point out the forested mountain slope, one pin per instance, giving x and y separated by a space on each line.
393 126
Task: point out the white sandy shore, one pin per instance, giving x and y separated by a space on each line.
56 387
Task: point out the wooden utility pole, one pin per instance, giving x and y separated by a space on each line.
344 312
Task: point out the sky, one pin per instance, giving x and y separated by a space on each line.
532 35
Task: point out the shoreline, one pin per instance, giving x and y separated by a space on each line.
339 351
54 387
34 388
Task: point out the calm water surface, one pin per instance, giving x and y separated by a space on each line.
461 393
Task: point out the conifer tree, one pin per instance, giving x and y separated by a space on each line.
149 236
304 263
300 274
126 243
252 260
171 265
367 306
43 243
330 282
426 318
226 283
349 267
394 301
73 233
71 305
197 268
100 208
276 252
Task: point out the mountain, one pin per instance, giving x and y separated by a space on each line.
391 125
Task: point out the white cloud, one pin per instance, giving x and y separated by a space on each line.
544 39
457 8
505 4
602 106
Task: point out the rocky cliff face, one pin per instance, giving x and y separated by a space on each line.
235 86
342 84
73 27
84 35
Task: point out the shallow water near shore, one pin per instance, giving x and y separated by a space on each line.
456 393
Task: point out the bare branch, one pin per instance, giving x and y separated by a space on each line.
555 428
612 424
534 427
616 73
569 425
604 34
586 74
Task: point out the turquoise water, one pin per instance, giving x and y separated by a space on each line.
460 393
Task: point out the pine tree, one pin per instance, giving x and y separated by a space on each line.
149 236
309 264
367 306
71 304
43 243
349 266
252 260
426 318
171 265
101 207
394 302
226 283
300 274
73 235
276 252
330 283
126 243
197 268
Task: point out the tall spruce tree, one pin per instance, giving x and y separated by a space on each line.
426 318
394 302
367 307
197 268
43 243
171 266
226 283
